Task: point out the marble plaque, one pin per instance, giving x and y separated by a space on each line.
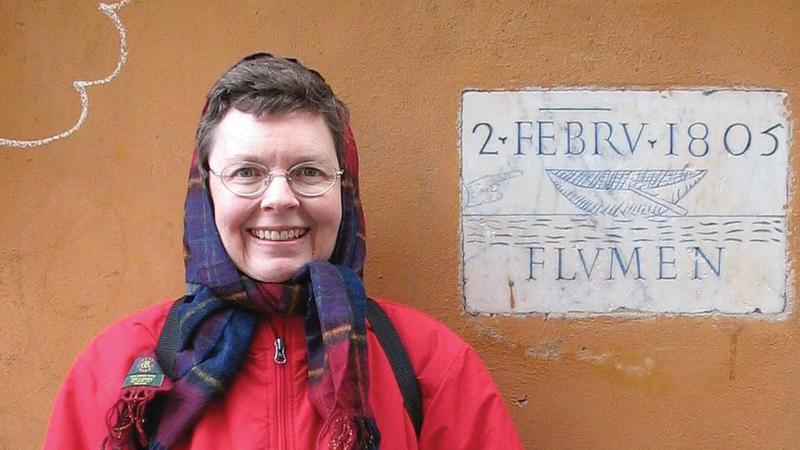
601 201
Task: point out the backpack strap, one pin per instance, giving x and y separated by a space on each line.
382 326
398 358
167 345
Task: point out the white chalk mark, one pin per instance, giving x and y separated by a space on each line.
80 86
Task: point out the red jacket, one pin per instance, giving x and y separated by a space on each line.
266 406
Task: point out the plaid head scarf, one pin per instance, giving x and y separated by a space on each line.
222 312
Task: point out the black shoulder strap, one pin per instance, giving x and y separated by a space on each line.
168 341
398 358
384 330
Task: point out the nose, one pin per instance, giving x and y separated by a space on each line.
279 196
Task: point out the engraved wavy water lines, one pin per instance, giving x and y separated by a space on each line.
528 239
497 238
481 230
767 231
517 224
554 239
733 234
735 230
580 231
528 243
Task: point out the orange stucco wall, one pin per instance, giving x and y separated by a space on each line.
91 224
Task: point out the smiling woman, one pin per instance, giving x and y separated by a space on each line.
271 348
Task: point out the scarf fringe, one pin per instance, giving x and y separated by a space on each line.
127 418
369 436
350 433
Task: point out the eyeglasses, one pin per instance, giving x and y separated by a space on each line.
249 179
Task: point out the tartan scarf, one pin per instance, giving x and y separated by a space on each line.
222 312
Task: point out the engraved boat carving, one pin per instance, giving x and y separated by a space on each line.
626 192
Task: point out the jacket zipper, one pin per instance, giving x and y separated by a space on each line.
280 390
280 351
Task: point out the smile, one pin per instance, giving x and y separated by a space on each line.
283 235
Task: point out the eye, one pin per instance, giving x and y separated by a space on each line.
244 173
310 172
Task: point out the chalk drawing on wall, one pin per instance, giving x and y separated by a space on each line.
110 10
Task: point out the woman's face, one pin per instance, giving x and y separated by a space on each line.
309 224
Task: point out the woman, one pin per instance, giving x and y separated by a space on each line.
272 349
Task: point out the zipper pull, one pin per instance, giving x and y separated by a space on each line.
280 351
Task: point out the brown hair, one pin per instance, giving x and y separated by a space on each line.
262 84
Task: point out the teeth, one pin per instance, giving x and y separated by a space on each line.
283 235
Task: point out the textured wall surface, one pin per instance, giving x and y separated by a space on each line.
91 223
